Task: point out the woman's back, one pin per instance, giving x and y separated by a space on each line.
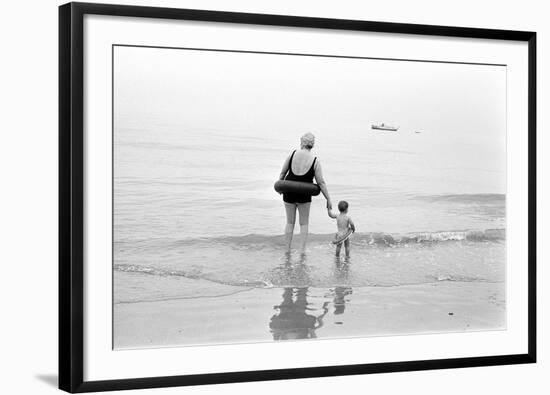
301 162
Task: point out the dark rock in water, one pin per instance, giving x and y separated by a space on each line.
451 313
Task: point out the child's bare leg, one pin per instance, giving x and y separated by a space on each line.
346 245
290 220
338 248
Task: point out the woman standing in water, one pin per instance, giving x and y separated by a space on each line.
302 166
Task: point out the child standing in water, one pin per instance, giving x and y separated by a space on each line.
345 226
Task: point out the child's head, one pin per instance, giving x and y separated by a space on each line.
343 206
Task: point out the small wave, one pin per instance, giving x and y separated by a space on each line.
285 282
155 271
190 275
473 198
373 239
469 235
458 278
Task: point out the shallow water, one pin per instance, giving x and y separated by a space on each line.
259 262
188 207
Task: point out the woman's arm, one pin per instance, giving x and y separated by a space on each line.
322 184
284 170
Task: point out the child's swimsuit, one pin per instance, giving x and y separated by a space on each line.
339 235
308 177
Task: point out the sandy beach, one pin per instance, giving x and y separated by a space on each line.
259 315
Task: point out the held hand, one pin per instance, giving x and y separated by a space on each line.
329 205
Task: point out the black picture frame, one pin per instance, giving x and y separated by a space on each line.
71 195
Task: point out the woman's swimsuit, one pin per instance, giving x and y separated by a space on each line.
308 177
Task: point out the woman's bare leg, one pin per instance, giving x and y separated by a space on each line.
290 209
303 209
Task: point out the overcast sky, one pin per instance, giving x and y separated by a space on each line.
249 90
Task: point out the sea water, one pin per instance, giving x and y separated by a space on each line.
199 204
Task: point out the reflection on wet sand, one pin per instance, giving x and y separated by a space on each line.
293 321
341 274
296 318
340 294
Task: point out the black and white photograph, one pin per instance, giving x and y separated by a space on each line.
274 197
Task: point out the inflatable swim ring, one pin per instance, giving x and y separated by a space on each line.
342 238
303 188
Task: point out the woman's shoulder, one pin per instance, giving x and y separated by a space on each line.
316 162
290 155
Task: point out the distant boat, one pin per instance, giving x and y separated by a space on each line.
383 126
418 131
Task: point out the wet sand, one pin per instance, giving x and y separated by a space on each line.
241 315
